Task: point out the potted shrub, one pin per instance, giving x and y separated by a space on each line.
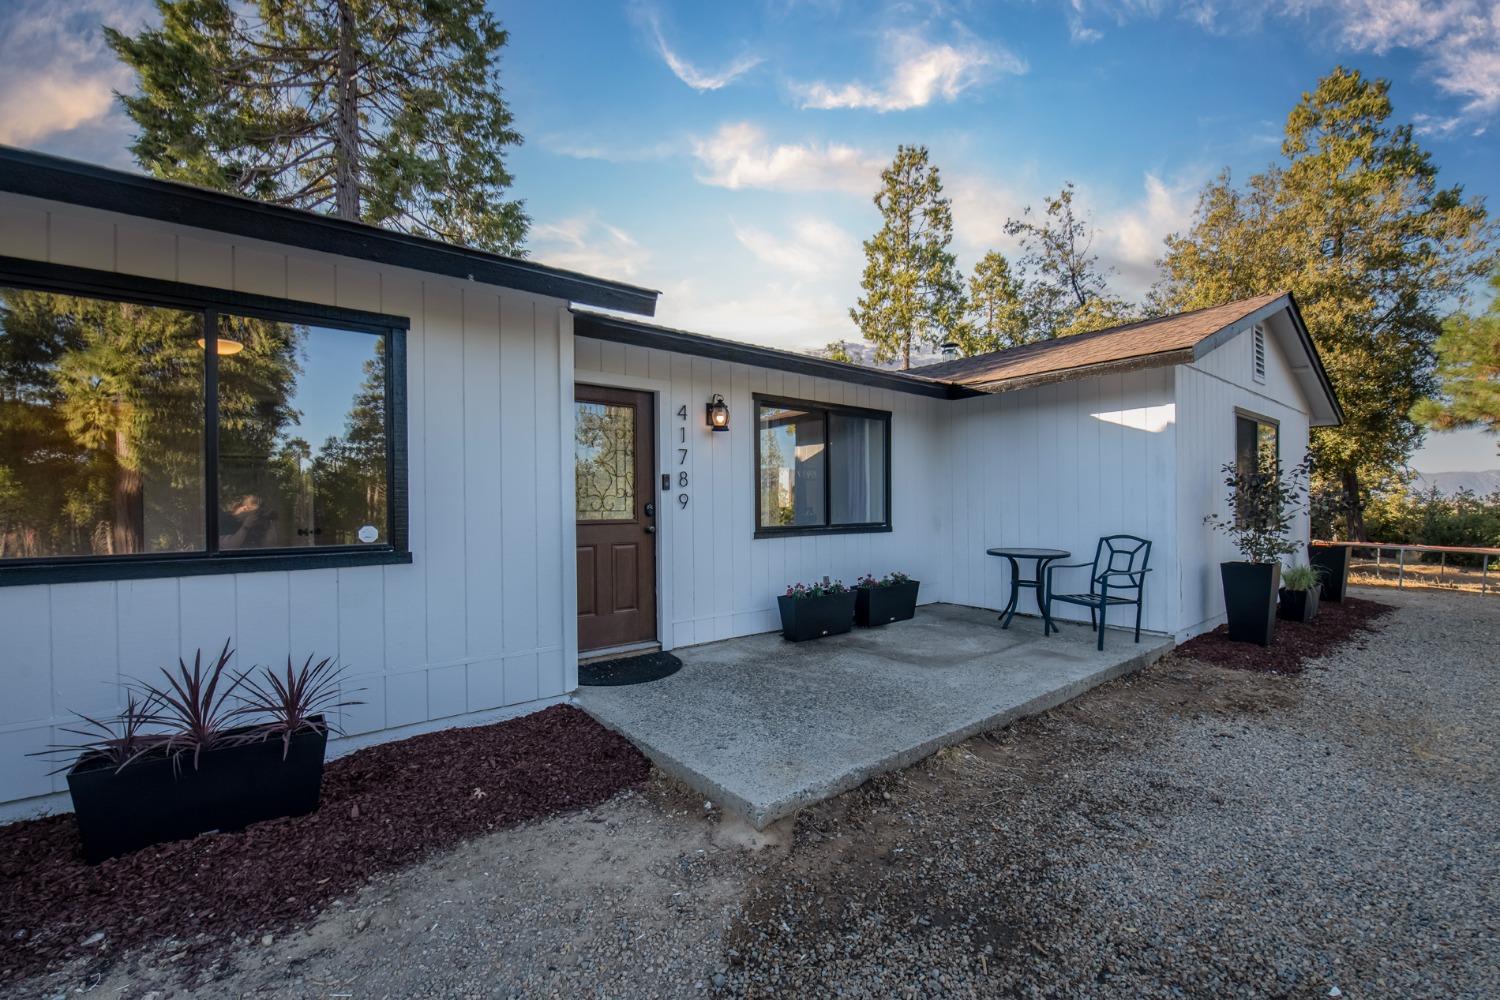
205 750
811 612
1299 594
1262 505
892 598
1332 564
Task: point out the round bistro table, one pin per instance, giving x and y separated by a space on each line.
1037 583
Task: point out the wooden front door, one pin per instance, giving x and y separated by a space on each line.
614 456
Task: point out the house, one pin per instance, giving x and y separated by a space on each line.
457 472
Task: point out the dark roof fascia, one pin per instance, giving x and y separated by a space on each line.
71 182
624 331
1317 359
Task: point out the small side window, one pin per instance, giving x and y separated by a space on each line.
1258 354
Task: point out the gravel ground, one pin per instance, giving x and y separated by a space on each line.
1193 831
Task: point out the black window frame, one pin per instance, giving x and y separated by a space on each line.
828 410
210 303
1259 420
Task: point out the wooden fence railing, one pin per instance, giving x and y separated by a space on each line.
1380 548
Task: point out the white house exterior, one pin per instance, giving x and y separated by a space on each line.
465 605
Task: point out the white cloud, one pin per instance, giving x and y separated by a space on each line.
693 76
56 73
583 243
739 156
816 246
921 72
792 316
1130 238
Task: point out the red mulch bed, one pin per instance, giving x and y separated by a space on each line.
383 808
1293 643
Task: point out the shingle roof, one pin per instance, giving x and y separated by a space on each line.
1117 345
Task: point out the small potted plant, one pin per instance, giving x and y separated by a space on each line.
207 749
813 611
1262 504
892 598
1299 594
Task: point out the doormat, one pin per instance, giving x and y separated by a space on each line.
628 670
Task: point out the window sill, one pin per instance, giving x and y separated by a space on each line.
838 529
85 570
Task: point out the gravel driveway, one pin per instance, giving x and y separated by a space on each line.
1192 831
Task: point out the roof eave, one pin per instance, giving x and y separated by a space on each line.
39 175
1161 359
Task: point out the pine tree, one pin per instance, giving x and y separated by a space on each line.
1355 225
913 293
384 111
1468 371
1060 275
997 310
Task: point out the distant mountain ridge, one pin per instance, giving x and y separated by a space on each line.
1448 483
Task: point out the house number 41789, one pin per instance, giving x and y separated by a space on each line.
682 454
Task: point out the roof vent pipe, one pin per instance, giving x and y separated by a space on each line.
949 349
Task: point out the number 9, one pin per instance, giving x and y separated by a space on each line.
682 499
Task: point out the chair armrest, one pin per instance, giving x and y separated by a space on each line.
1132 573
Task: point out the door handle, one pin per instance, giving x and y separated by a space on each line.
650 510
650 529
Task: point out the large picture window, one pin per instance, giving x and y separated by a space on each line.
155 429
821 468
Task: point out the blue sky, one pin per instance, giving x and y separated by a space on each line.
726 153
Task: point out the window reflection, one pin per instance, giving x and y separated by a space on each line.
792 463
302 439
101 427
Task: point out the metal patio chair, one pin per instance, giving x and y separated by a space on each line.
1119 565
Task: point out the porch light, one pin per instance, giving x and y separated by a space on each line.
718 413
227 347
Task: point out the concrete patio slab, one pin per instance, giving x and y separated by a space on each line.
764 727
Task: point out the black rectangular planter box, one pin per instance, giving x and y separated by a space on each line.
1298 605
153 800
814 617
1332 564
1250 600
882 605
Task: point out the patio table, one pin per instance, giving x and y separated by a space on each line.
1042 557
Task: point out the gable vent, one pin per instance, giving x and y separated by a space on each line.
1258 353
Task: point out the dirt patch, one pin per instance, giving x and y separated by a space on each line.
1293 643
383 808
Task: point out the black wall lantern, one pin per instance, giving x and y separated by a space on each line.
718 413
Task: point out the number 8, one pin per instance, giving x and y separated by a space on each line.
682 479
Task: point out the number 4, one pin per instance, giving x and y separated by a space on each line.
682 411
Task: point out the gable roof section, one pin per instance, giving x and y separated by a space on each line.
54 178
628 331
1154 343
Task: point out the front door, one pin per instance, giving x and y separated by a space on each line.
614 456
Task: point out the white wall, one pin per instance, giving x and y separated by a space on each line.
717 579
1208 394
482 618
1059 466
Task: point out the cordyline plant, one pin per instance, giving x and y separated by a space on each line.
821 588
1263 503
207 706
301 699
889 580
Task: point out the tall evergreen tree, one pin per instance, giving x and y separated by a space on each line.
1468 370
997 310
384 111
1355 225
913 294
1064 285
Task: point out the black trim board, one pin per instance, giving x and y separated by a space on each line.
89 570
39 175
624 331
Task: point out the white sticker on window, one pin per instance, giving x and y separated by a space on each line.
368 534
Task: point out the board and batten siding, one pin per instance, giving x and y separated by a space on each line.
1059 466
482 618
716 579
1210 392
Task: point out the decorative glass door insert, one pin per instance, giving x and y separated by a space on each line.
604 461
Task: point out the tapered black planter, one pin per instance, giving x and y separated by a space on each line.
1250 600
814 617
1298 605
152 800
881 605
1332 564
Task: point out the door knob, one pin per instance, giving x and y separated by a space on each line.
650 510
650 529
